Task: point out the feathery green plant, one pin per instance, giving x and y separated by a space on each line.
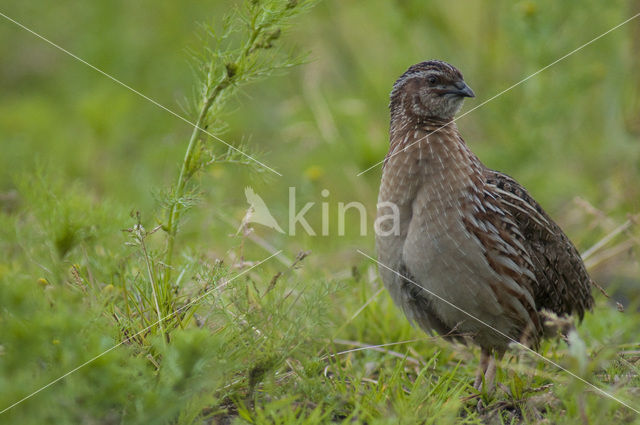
245 50
225 68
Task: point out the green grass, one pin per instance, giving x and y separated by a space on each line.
88 179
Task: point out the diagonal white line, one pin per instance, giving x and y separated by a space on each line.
159 105
369 301
612 397
507 89
142 331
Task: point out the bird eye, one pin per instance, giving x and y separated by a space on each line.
432 80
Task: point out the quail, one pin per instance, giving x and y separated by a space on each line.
463 249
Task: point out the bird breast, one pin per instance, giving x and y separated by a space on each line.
436 183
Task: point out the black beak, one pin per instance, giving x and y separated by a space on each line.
461 89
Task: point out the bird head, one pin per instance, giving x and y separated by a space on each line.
429 90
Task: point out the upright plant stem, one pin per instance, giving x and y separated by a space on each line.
213 91
174 212
154 289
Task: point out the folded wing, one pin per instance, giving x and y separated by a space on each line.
562 282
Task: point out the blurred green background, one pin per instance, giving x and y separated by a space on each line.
77 148
570 131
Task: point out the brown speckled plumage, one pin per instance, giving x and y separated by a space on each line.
468 234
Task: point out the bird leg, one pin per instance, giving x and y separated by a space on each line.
482 368
490 374
487 369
